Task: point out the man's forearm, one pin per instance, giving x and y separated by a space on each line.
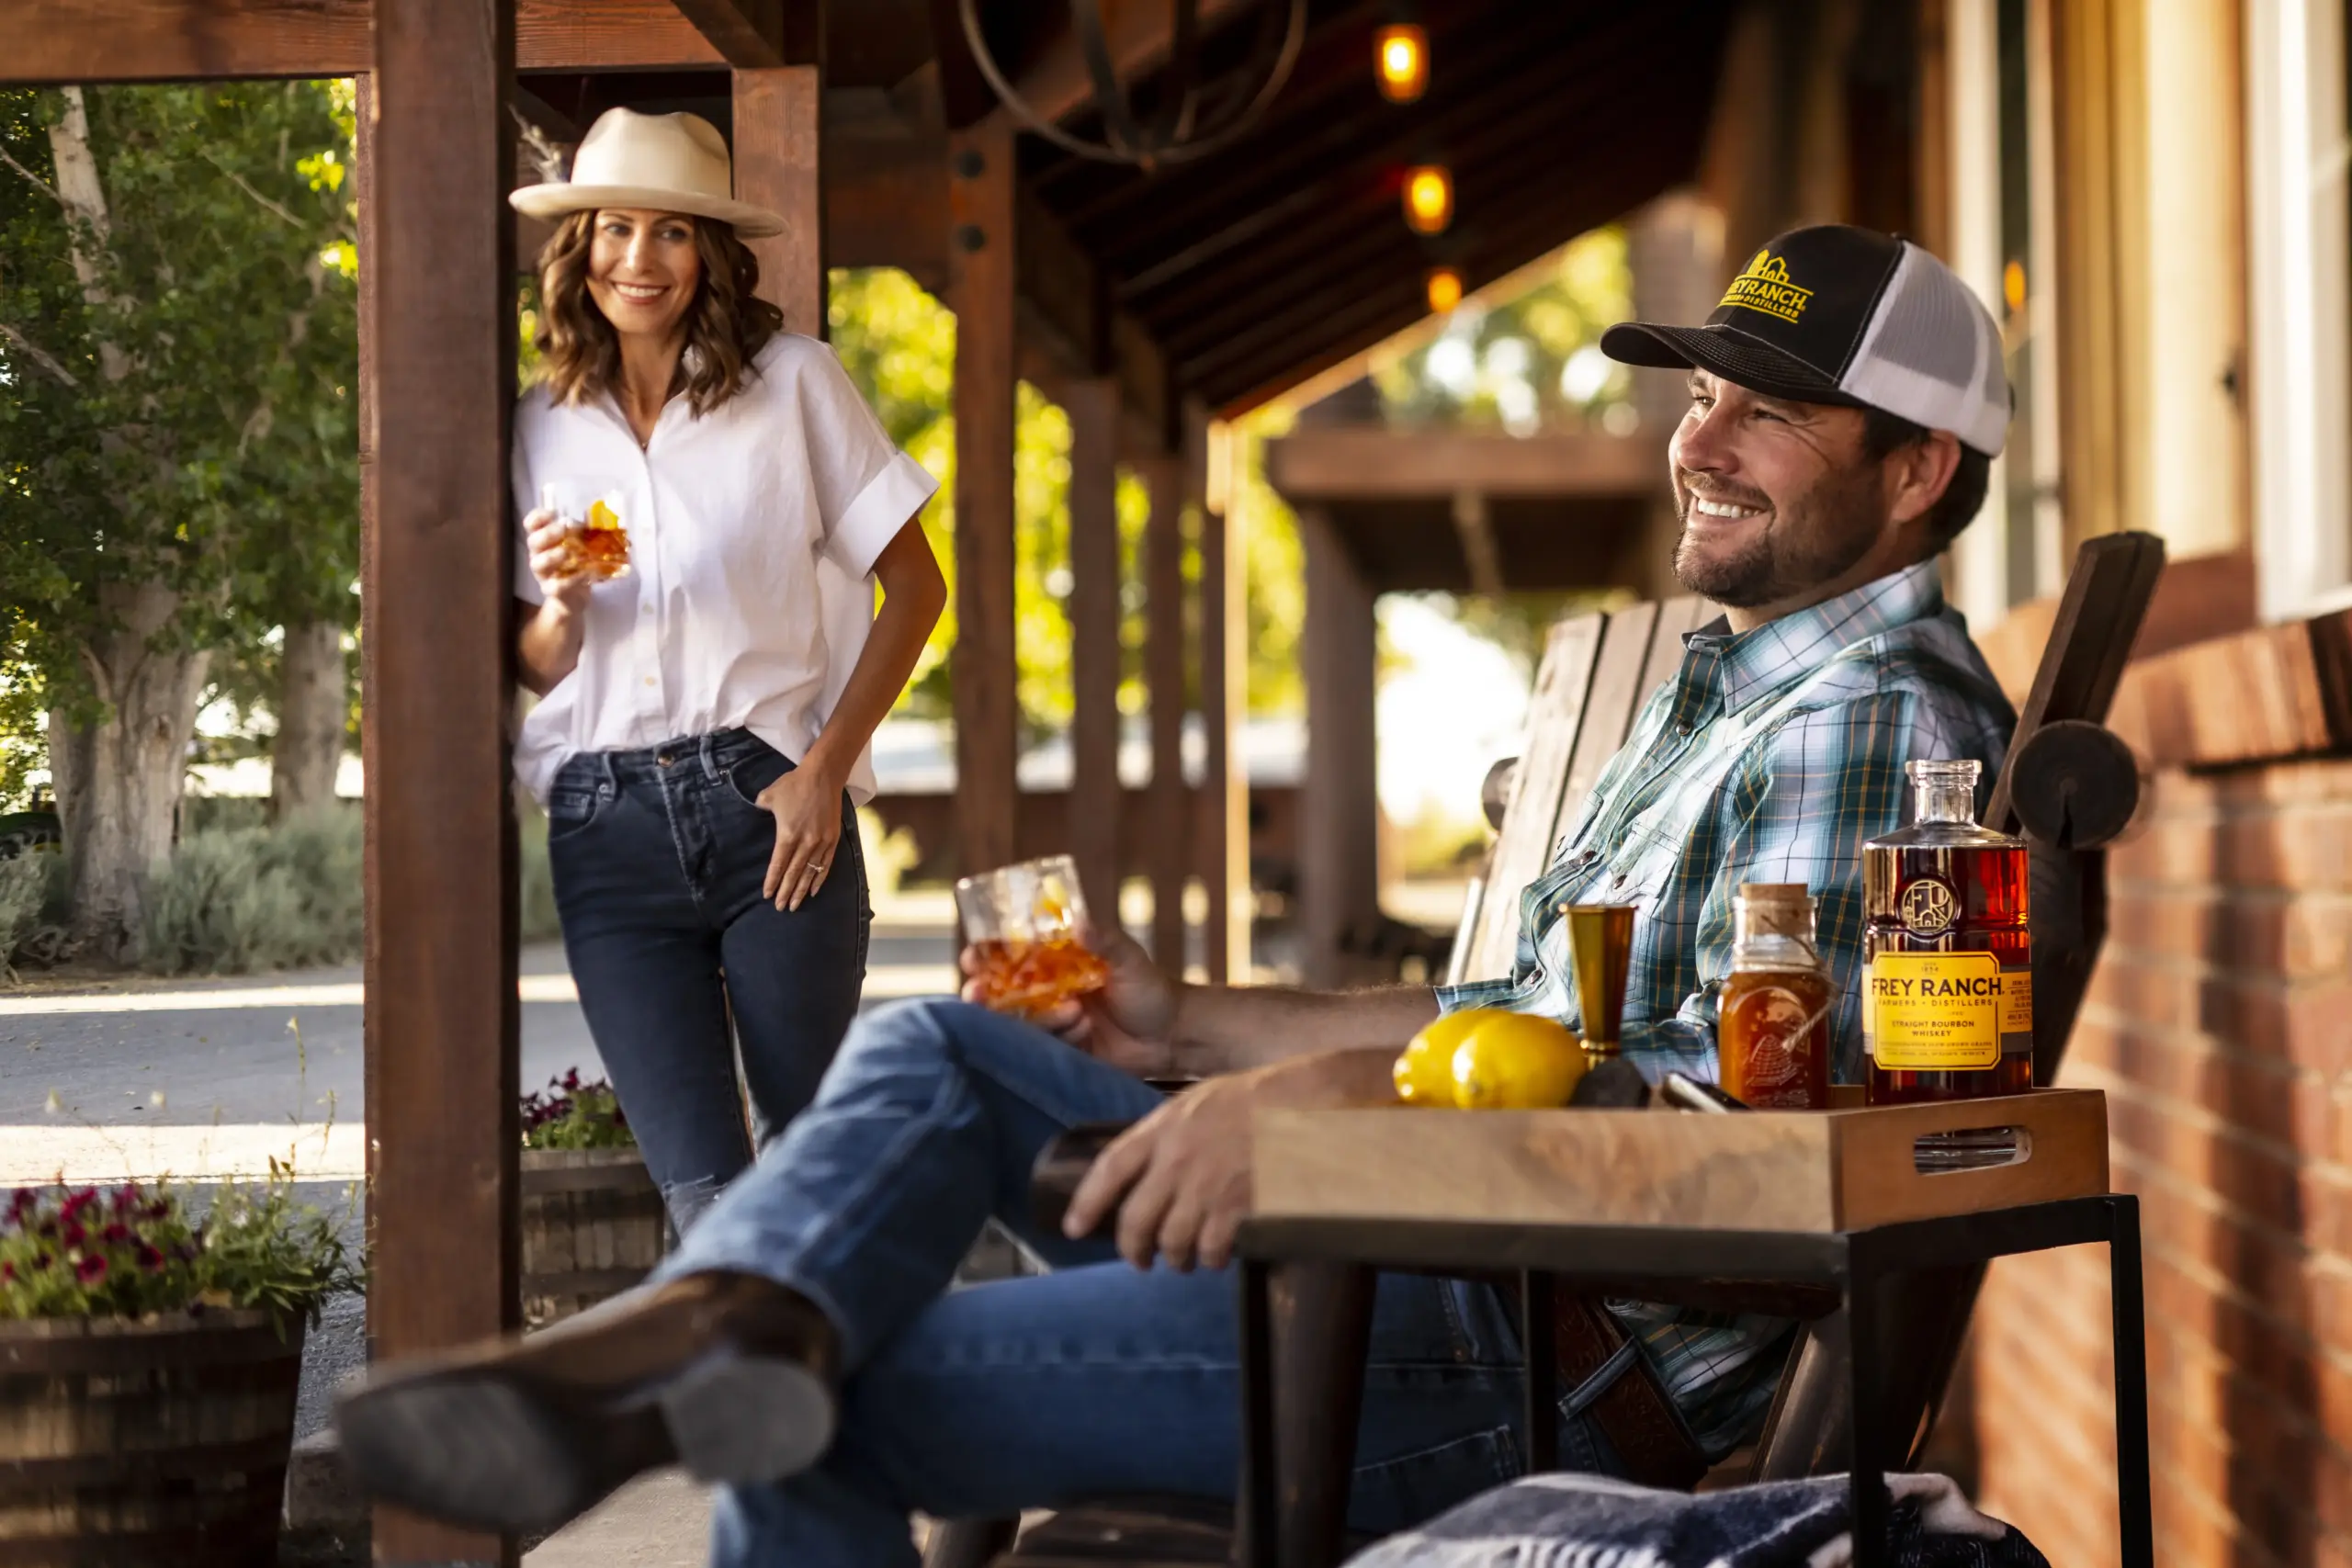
1222 1029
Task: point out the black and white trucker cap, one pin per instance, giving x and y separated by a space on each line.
1836 314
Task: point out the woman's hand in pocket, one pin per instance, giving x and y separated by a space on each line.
806 804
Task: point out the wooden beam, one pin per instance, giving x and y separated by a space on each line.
1137 34
1223 851
1342 463
438 675
1338 851
1170 857
154 40
778 166
885 189
1096 658
981 177
748 34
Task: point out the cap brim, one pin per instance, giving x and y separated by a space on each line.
1726 352
562 198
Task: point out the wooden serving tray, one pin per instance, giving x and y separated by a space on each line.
1843 1169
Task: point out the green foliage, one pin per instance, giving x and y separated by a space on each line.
537 919
1529 362
575 1115
181 405
236 899
136 1251
32 908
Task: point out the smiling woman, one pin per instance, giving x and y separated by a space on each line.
711 676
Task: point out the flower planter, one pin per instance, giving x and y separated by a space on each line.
158 1441
592 1226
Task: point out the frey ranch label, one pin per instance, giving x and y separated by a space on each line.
1944 1011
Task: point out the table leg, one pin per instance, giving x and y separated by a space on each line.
1866 1413
2134 1509
1256 1526
1541 1354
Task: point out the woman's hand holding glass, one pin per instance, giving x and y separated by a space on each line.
808 810
555 565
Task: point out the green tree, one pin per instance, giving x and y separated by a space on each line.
177 337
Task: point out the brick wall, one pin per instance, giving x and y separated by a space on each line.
2220 1024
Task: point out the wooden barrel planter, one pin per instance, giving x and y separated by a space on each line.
592 1226
127 1444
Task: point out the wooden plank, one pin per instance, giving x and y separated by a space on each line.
2098 618
1676 618
1340 463
1223 845
1164 662
1339 851
154 40
1093 607
1617 691
778 166
438 673
1525 845
982 252
2197 598
1805 1171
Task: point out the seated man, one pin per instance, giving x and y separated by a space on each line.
1846 399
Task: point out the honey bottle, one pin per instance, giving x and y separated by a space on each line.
1772 1015
1947 973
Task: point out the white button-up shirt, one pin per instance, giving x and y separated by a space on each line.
752 532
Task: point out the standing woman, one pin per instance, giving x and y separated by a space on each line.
704 718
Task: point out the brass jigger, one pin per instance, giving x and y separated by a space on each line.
1601 943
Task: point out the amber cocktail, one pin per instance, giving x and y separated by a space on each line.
1021 923
598 548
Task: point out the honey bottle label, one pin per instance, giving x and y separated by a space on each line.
1944 1011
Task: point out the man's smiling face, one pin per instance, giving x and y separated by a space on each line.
1776 497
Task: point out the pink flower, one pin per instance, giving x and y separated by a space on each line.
150 1260
116 1232
73 1234
79 1202
7 1273
91 1269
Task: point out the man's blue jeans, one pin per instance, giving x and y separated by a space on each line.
1039 1392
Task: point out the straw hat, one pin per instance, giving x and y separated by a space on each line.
669 162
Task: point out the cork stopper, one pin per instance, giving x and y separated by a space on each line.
1775 909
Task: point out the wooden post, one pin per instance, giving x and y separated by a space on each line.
1338 872
1167 854
438 675
980 248
778 166
1223 850
1095 794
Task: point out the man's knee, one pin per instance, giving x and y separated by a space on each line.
912 1022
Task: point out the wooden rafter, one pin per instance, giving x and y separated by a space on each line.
151 40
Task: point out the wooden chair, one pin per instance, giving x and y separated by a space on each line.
2069 783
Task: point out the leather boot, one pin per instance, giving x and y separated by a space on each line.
730 1375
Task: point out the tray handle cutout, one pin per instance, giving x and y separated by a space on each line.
1970 1148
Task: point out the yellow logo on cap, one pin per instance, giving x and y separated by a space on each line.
1765 287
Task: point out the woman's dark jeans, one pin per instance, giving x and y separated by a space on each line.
657 857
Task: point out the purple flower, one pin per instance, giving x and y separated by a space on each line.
22 1201
79 1202
73 1234
149 1258
116 1232
91 1269
7 1273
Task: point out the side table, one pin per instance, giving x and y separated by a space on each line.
1858 1264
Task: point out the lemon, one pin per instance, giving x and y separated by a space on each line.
1424 1072
601 516
1516 1061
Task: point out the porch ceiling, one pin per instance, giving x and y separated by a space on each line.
1262 265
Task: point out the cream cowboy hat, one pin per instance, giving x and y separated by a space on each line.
669 162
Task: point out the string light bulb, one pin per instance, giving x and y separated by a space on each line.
1401 59
1445 289
1429 198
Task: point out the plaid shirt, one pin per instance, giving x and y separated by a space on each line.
1771 756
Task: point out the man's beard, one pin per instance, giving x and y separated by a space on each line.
1810 539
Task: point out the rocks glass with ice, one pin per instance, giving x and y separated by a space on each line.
1021 922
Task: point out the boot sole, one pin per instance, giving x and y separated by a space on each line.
739 1420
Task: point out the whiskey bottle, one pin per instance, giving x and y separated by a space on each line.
1772 1015
1948 975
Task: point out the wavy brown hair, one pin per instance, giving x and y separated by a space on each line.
727 324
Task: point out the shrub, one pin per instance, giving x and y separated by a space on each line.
575 1115
135 1250
535 919
32 897
233 899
